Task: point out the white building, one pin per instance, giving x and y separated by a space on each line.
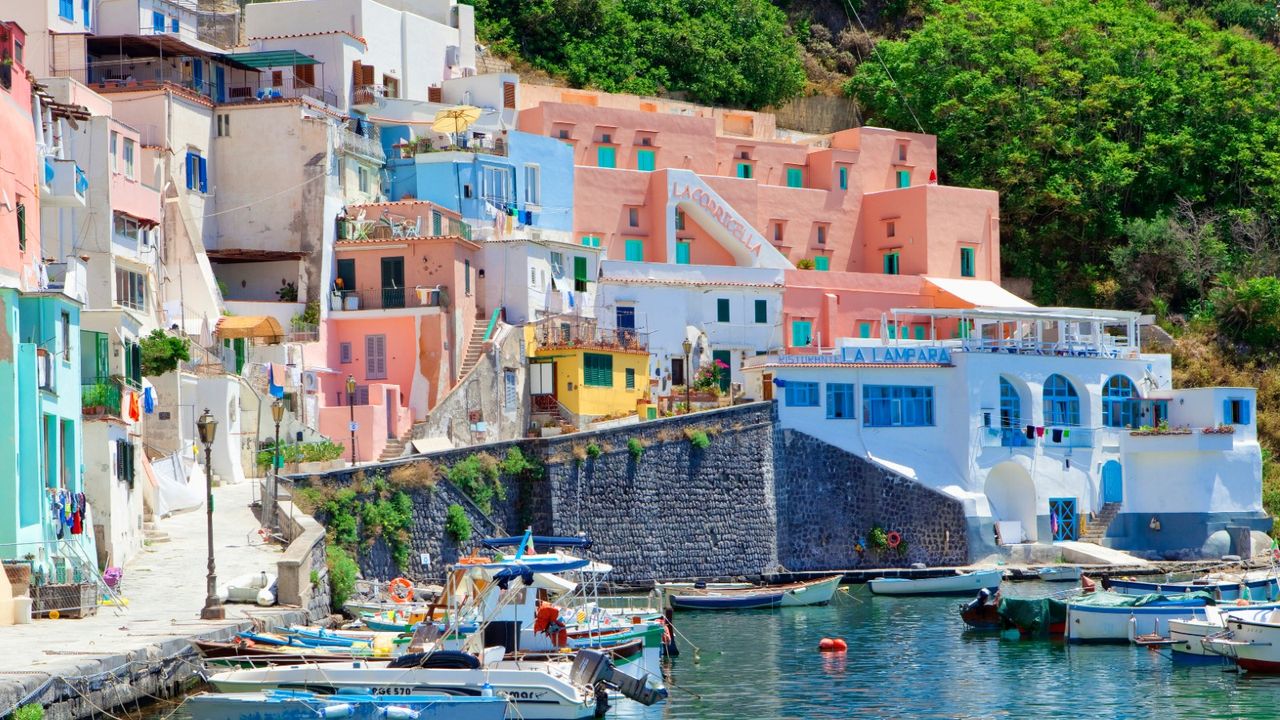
1041 418
727 313
532 279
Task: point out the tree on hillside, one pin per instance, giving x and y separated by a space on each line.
724 52
1085 115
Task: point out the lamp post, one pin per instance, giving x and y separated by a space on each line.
688 375
208 428
273 480
351 403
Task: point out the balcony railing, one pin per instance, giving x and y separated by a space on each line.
392 298
1108 348
141 73
1051 437
100 397
587 333
368 146
484 144
392 226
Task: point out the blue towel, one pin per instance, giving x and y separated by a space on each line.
148 401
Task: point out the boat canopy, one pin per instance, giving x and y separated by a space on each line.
542 540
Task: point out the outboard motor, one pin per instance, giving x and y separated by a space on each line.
595 669
983 596
590 667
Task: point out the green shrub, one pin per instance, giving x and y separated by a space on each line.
161 352
593 451
699 439
342 575
457 524
635 447
477 477
29 712
878 539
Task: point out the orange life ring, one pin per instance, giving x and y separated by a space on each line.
894 538
405 588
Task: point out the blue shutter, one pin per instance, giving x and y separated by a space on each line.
1244 412
157 21
1226 411
173 24
204 174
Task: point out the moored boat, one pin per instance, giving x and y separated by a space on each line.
1063 573
1114 617
302 705
958 584
1252 643
809 592
1221 587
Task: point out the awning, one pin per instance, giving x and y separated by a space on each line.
273 58
138 46
234 255
979 293
250 326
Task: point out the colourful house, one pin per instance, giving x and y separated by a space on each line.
584 370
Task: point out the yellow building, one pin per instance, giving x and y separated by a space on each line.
588 371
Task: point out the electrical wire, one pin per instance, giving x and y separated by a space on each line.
848 5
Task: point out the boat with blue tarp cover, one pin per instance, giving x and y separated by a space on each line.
355 704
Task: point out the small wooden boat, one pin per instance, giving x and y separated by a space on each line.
1114 617
1221 587
253 655
983 612
810 592
1064 573
302 705
958 584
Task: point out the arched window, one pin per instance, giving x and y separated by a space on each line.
1010 405
1119 402
1061 402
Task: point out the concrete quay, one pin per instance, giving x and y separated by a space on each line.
79 668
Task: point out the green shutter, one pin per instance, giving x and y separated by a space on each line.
891 263
722 310
822 262
844 178
644 160
682 253
919 332
744 170
762 311
904 178
795 177
606 156
631 378
580 269
597 370
967 262
635 250
801 332
864 330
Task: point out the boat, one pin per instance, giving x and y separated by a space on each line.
1222 587
958 584
303 705
1115 617
809 592
1185 636
1034 617
983 612
1252 643
1059 573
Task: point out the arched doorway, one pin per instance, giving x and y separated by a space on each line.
1012 495
1112 482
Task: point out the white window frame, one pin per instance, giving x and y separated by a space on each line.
130 164
115 157
532 184
495 184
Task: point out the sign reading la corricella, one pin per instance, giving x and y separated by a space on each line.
737 230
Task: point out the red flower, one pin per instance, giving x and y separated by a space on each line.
722 365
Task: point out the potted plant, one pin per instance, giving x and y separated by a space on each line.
288 292
95 399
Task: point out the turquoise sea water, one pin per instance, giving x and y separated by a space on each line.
913 657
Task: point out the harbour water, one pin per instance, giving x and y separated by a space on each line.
913 657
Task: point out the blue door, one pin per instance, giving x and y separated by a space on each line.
197 75
1112 483
219 84
626 324
1062 519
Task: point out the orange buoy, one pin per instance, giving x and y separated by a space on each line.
839 645
826 645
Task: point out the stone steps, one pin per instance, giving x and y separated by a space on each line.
393 450
1096 529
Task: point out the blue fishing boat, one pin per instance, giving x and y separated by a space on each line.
1222 587
357 705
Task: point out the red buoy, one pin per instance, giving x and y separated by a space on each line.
826 645
839 645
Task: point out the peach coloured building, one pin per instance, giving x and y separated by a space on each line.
402 322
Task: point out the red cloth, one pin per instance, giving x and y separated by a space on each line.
1039 432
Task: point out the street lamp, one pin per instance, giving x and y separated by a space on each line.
351 402
688 375
273 480
208 428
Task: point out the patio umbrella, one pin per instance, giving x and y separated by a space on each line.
455 119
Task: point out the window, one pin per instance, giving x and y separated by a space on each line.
631 378
66 336
902 152
129 146
466 277
795 177
801 333
375 357
597 370
563 134
822 234
822 262
682 252
762 311
532 185
679 219
533 277
495 184
224 125
1061 402
173 24
157 21
891 229
1235 411
864 330
801 394
344 353
967 264
362 181
633 217
66 9
1119 402
635 250
919 332
579 274
844 178
21 214
131 289
606 138
197 172
115 161
897 406
591 241
904 178
606 156
1010 405
126 227
645 160
722 310
777 232
839 401
125 461
891 263
744 170
557 264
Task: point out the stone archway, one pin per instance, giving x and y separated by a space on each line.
1012 495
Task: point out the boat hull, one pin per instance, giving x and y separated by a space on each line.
811 592
307 706
1087 624
1258 590
964 584
1059 574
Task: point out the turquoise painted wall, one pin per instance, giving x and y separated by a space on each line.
9 496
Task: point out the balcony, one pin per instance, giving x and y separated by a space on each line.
1174 440
586 333
393 226
389 298
67 183
476 143
138 74
1053 437
100 398
363 145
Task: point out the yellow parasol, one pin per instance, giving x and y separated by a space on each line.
455 119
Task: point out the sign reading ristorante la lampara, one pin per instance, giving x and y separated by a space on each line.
876 355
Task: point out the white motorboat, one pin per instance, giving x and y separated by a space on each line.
1252 643
959 584
1060 573
1185 636
301 705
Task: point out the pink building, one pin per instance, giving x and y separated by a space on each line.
20 177
403 320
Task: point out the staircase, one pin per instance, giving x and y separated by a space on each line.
394 449
1096 529
151 533
475 346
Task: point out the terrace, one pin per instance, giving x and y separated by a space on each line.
572 332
